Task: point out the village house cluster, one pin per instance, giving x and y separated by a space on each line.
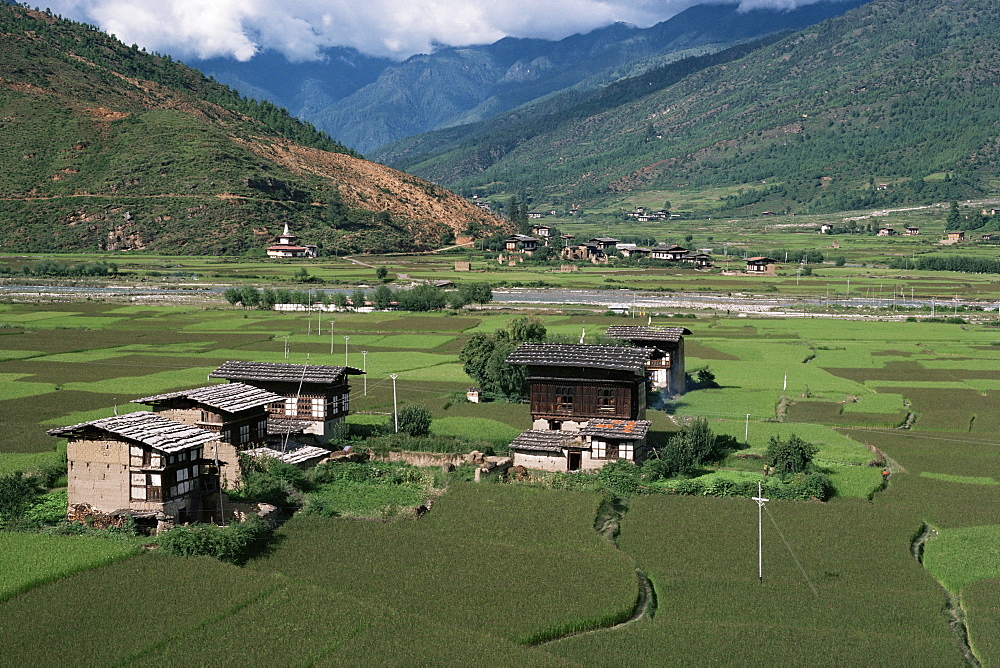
588 402
599 249
171 464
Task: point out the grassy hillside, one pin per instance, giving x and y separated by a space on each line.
110 148
896 93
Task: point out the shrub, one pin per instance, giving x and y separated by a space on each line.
233 544
268 480
620 477
791 456
17 494
413 420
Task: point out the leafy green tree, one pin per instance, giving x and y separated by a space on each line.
358 299
382 297
790 456
421 298
381 273
484 356
336 210
249 296
340 300
525 329
232 295
268 298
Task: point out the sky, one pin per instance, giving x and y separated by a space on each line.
302 29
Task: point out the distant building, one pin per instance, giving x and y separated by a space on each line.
671 253
826 228
286 247
542 230
521 244
912 231
956 236
606 243
763 266
886 232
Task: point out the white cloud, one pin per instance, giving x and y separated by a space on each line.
301 29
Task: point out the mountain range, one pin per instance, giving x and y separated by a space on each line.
892 102
106 147
368 102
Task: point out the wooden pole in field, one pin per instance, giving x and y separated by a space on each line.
760 532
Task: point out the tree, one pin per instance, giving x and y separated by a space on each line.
358 299
791 456
249 296
381 273
340 300
421 298
232 295
414 420
336 211
954 220
484 356
525 329
382 297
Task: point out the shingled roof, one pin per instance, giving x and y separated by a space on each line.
541 440
629 430
630 333
283 372
229 397
582 356
143 427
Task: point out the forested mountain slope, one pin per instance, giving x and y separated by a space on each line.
107 147
454 86
900 93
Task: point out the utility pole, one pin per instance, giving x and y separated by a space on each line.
331 337
746 434
346 339
760 532
364 368
286 347
395 412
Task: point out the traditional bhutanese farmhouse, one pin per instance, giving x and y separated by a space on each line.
286 247
141 464
886 232
235 412
671 253
315 398
666 367
572 384
761 265
607 244
521 243
912 231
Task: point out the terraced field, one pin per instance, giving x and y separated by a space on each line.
491 570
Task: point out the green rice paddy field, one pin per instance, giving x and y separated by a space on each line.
492 570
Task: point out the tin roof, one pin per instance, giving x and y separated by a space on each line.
629 430
583 356
541 440
229 397
630 333
283 372
143 427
